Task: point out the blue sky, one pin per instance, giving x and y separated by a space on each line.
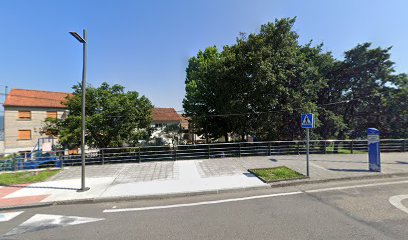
145 45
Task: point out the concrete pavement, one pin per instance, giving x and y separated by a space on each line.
190 177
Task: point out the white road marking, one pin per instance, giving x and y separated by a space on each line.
355 186
396 201
200 203
251 197
46 221
4 217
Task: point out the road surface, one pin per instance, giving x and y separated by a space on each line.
367 209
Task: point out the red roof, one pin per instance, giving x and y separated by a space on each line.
34 98
165 115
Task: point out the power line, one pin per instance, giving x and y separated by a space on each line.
221 115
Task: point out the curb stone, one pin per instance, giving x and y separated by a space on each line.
129 198
187 194
309 181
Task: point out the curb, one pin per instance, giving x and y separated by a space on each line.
343 179
130 198
188 194
34 205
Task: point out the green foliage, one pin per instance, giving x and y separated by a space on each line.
7 179
113 118
261 84
235 90
374 90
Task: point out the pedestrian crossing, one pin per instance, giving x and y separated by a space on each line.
39 222
4 217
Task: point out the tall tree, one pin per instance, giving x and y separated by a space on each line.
206 100
264 78
113 118
261 84
369 78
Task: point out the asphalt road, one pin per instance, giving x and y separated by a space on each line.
345 210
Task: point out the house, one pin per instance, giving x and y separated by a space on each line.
24 115
164 116
189 131
26 111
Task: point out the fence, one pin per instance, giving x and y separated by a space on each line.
200 151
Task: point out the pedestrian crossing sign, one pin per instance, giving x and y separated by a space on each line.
307 120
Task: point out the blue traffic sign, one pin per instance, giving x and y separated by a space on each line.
307 120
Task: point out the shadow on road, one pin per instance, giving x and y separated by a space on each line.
348 170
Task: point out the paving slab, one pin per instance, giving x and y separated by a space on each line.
129 172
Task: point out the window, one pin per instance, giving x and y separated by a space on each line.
24 115
24 134
52 115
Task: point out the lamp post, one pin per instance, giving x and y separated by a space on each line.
83 41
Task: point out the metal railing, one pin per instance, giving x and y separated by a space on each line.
241 149
200 151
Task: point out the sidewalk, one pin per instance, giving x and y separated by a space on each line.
188 177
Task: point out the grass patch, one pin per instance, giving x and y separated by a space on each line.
276 174
7 179
342 150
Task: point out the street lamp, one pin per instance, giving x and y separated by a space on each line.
83 41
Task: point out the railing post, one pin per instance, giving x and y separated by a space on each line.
403 145
239 149
325 146
103 156
138 155
297 146
15 163
269 148
352 146
208 151
175 153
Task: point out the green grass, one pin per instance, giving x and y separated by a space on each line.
340 150
276 174
7 179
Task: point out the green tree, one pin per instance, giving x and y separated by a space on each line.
113 118
261 84
264 78
372 88
206 100
396 110
326 68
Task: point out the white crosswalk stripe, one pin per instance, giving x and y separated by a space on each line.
47 221
4 217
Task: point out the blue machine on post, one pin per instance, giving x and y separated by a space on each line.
373 137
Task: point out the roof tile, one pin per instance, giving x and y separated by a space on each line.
34 98
165 115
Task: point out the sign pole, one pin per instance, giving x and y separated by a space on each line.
307 151
307 121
